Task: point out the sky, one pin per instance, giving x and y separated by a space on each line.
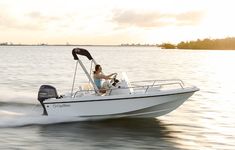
111 22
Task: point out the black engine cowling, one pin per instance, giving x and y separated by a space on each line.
46 92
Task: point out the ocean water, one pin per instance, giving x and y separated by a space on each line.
205 121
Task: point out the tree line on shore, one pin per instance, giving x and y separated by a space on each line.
213 44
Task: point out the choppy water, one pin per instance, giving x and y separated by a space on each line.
205 121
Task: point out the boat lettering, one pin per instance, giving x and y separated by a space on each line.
61 105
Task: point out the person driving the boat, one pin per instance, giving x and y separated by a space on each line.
98 76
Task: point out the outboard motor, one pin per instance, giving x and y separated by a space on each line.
46 92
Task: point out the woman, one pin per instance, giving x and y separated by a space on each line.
98 76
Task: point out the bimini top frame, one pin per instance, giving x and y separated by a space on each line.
83 52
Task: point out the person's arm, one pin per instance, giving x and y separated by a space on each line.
109 76
102 76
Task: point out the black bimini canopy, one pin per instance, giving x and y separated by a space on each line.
81 51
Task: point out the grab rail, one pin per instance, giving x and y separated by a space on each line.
154 81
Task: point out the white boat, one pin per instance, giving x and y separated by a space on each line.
141 99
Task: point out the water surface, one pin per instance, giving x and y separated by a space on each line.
205 121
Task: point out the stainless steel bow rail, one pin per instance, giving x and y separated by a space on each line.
138 85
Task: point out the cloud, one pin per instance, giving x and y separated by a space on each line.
29 21
189 18
40 18
8 21
155 19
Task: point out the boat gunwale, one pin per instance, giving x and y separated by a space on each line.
191 90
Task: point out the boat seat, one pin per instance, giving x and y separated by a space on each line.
86 87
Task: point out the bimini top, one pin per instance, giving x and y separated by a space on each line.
81 51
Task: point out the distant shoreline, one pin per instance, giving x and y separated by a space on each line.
118 46
204 44
83 45
159 47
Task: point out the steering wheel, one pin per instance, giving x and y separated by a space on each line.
113 79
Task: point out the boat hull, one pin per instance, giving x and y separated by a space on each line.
136 106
